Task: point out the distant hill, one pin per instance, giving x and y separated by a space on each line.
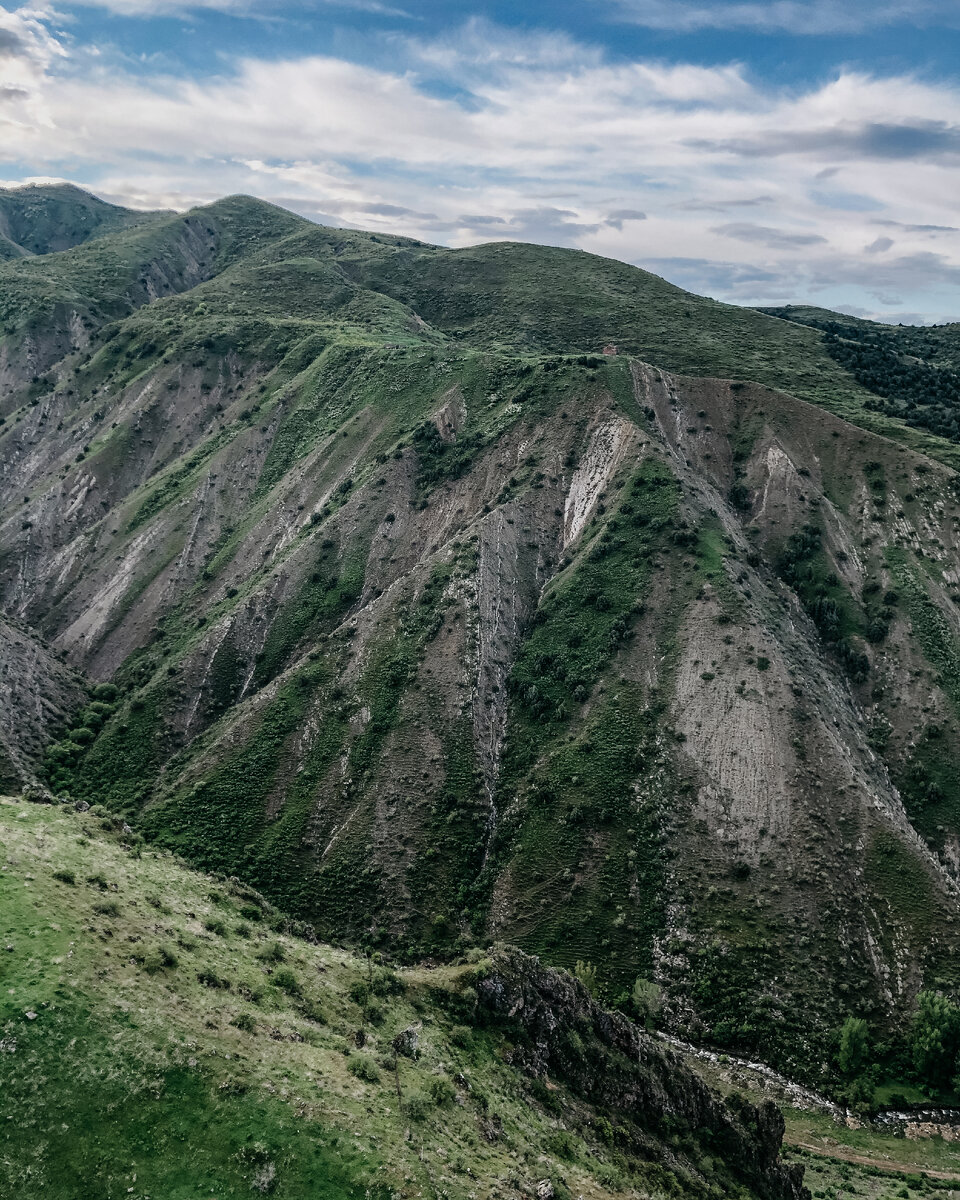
46 218
915 370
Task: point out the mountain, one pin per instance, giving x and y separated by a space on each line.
45 218
508 593
165 1032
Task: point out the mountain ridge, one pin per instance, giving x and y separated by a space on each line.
439 624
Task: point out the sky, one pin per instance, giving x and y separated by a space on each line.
787 151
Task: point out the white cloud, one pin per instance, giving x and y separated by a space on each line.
531 138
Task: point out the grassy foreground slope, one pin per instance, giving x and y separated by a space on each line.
166 1033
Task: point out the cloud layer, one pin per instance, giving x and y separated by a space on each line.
843 192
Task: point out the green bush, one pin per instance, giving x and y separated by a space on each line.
373 1013
160 958
364 1068
245 1021
359 992
853 1056
210 979
313 1011
65 875
386 983
417 1106
935 1038
561 1145
440 1090
287 981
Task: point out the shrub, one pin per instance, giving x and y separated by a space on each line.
562 1145
359 992
647 1001
211 980
417 1106
65 875
854 1053
244 1021
440 1090
107 908
216 927
386 983
586 972
313 1011
373 1013
160 958
273 954
462 1036
364 1068
286 981
935 1037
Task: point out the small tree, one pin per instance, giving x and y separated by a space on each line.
934 1038
854 1053
647 1001
586 972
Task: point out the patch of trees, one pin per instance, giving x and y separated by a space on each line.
927 1054
895 365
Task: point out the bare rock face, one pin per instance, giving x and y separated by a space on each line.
645 1089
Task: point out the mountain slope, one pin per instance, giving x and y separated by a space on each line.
45 218
38 694
439 624
165 1032
51 305
914 371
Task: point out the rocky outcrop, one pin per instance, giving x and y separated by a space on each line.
561 1032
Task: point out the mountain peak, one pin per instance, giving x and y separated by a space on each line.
43 218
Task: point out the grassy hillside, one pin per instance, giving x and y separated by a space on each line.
165 1033
914 371
46 218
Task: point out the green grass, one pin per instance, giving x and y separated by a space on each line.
166 1033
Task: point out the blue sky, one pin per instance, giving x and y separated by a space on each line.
789 151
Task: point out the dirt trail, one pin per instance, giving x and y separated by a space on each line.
864 1160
